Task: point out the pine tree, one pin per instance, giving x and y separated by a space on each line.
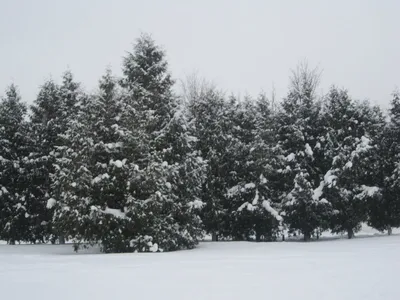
92 171
252 209
15 223
71 98
384 207
349 147
208 112
307 212
299 143
45 127
165 163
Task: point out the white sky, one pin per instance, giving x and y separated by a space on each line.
243 46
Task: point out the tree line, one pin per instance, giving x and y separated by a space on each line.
136 166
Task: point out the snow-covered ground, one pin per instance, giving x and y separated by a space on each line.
363 268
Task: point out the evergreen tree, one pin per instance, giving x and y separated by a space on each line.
53 108
384 207
349 147
92 171
71 100
15 221
299 142
307 213
208 112
253 210
165 165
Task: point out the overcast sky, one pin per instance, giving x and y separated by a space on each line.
243 46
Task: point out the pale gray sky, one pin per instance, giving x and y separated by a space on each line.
243 46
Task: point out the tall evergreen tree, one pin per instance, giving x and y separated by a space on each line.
299 140
349 146
164 158
251 204
15 217
210 116
72 99
92 171
384 207
45 123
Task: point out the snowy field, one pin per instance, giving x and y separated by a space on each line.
363 268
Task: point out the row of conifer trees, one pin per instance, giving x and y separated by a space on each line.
136 166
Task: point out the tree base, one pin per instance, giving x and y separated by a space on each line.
350 234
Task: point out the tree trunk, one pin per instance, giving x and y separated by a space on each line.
61 239
307 236
350 233
283 237
214 237
389 230
11 242
258 237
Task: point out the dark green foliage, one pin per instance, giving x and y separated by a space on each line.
22 215
384 208
133 167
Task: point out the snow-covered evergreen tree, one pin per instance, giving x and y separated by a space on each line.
299 142
251 204
349 146
308 212
15 204
71 99
209 114
92 171
45 124
384 207
164 195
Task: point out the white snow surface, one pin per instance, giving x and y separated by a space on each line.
317 193
348 165
329 178
308 150
358 269
370 190
250 185
290 157
50 203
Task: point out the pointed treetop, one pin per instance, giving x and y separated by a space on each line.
107 84
12 93
146 69
12 107
395 109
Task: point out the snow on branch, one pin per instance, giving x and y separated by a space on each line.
266 204
110 211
